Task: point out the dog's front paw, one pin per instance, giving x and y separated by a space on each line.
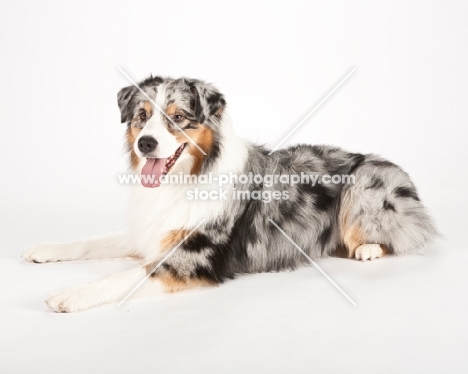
47 253
41 253
74 299
368 252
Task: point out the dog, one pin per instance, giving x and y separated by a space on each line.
180 127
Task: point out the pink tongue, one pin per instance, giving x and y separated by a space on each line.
152 171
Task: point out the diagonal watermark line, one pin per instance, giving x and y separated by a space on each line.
314 263
159 264
162 111
313 110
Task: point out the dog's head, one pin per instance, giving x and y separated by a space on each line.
174 121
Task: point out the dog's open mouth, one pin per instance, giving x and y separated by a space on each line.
156 168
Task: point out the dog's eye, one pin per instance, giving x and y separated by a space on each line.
178 118
142 116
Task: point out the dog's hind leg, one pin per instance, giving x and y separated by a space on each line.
381 213
109 246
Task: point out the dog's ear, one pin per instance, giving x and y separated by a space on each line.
126 103
206 101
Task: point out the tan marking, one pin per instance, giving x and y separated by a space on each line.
220 111
353 238
351 233
132 134
174 284
385 249
148 108
173 238
171 109
135 256
203 137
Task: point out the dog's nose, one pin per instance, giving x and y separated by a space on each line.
147 144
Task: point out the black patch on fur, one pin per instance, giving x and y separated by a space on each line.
196 106
165 267
286 209
358 159
323 197
230 257
388 206
382 163
289 209
200 273
215 101
126 104
210 275
324 237
204 101
318 151
151 81
376 182
197 242
406 192
243 231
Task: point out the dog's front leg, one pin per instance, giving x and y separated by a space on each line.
108 246
198 261
112 288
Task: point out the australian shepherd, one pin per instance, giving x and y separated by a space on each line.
179 127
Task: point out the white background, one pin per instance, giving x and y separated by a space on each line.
61 151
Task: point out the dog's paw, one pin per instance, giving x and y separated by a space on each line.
368 252
74 299
44 253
